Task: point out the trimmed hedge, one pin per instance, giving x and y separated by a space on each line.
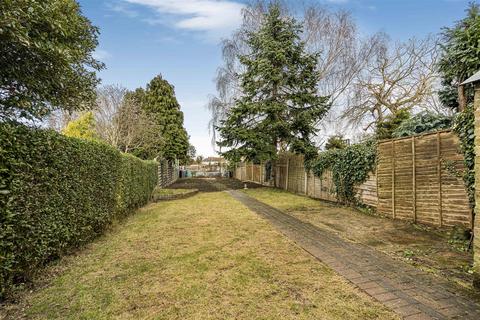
58 193
138 179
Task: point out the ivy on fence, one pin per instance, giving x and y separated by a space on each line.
464 127
349 166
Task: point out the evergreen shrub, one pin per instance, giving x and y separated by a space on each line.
58 193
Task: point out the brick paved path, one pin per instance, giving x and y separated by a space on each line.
408 291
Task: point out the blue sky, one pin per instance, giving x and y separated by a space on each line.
179 39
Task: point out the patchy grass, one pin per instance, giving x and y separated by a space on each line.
205 257
170 192
429 249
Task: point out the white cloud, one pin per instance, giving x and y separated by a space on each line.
101 55
123 8
215 17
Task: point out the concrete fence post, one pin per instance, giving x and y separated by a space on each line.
476 224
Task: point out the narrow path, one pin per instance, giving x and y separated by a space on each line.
409 292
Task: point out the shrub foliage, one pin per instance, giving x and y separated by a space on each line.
46 58
58 193
422 123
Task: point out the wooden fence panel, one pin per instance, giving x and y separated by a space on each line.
256 173
456 209
428 202
367 191
385 178
310 184
419 179
403 179
296 174
326 187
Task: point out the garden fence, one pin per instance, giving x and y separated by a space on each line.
168 171
420 179
417 178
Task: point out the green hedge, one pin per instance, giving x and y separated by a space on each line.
138 178
58 193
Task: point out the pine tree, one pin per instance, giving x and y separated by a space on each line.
280 105
460 59
161 105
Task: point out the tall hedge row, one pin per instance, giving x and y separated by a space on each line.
58 193
137 180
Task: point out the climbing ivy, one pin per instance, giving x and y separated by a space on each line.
349 166
464 127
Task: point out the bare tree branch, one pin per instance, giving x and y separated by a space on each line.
401 76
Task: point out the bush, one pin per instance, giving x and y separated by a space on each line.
336 142
58 193
422 123
387 127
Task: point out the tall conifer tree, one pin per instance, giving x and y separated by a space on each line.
460 59
161 104
280 106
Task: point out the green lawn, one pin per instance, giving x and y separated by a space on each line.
205 257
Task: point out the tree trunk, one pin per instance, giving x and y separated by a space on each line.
462 100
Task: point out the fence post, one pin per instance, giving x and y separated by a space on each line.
286 175
313 177
476 218
320 178
306 181
439 175
414 181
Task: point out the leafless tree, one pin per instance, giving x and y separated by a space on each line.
343 53
120 120
401 76
58 119
110 99
135 128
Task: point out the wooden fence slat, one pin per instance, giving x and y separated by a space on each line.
414 181
306 180
286 175
393 179
439 176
